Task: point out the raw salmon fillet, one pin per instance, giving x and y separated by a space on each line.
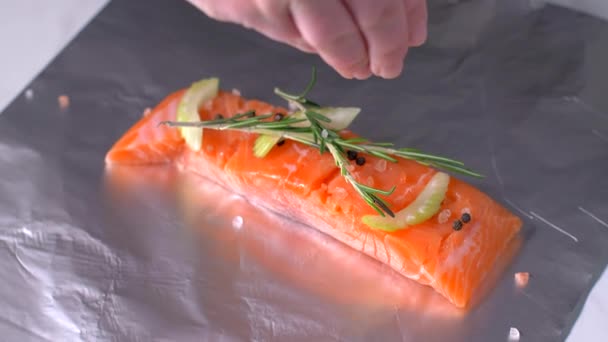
297 181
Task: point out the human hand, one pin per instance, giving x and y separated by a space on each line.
358 38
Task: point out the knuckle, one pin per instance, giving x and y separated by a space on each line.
370 13
387 19
333 40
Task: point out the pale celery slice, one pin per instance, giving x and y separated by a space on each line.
187 111
263 144
423 208
341 118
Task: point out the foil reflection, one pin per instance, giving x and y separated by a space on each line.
309 258
260 254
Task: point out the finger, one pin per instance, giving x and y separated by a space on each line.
271 21
418 23
384 26
276 22
222 11
329 28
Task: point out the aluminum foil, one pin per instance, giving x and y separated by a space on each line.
147 253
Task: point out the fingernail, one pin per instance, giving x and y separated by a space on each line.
363 74
345 75
390 71
361 70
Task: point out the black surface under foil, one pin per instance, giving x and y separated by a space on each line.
138 254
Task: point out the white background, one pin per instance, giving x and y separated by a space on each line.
32 32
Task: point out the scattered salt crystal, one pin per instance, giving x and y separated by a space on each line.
29 94
236 92
291 168
444 216
466 211
324 134
27 232
514 334
380 165
370 181
237 222
522 278
339 193
147 111
64 101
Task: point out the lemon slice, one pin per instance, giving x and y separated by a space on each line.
341 117
423 208
187 110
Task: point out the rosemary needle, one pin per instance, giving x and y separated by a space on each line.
316 135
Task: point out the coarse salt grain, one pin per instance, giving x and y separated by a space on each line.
64 101
324 134
29 94
466 211
236 92
147 111
444 216
339 193
27 232
514 334
237 222
380 165
291 168
370 181
522 278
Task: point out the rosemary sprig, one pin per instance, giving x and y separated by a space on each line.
318 136
328 139
366 192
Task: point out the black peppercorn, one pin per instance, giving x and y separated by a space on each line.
352 155
360 161
218 116
466 218
457 225
281 142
